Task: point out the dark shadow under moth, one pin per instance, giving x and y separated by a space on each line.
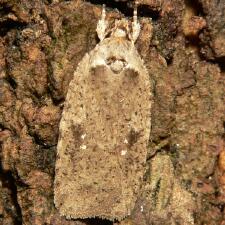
104 130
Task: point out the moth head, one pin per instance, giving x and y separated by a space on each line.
121 29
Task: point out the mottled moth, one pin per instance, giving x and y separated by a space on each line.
105 128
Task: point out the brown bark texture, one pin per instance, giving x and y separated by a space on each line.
183 46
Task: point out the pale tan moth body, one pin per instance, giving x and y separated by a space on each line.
105 128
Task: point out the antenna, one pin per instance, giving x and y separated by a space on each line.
102 25
135 24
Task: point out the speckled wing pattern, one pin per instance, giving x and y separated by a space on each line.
104 132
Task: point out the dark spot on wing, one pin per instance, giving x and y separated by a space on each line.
133 137
77 131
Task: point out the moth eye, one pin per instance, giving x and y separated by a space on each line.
116 65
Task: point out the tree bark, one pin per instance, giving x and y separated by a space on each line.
183 47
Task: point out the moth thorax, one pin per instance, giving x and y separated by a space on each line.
116 64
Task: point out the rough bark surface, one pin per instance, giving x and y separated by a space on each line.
41 43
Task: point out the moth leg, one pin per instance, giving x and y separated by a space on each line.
136 27
102 25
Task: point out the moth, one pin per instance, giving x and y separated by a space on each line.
105 128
